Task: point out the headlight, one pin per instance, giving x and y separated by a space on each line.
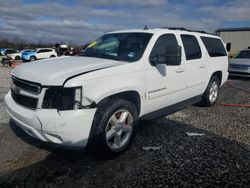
63 98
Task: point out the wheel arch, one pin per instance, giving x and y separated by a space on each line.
217 74
131 95
33 56
17 57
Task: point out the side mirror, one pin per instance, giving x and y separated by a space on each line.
171 57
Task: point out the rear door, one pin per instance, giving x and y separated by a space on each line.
194 64
43 53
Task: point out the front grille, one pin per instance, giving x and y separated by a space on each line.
240 73
30 87
25 101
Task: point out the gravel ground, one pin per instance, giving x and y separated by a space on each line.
219 158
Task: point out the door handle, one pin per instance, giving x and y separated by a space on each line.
180 70
202 66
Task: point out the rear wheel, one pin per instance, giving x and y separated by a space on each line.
113 127
52 56
211 94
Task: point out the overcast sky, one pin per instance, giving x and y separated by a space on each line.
80 21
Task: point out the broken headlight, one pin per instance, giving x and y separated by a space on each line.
63 98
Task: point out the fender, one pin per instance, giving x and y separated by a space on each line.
105 85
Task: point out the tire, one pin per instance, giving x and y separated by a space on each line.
32 58
17 58
113 127
52 56
211 94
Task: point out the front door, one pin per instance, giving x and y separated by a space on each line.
165 84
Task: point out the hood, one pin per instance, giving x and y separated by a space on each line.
56 70
238 61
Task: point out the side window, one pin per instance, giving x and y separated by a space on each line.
7 52
164 41
10 51
214 47
191 47
44 50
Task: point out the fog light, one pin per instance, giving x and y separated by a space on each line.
77 105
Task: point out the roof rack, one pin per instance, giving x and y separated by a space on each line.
175 28
184 29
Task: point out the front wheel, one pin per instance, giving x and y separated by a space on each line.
17 58
212 92
113 127
32 58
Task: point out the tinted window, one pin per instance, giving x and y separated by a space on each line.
44 50
245 54
164 41
191 47
214 47
39 51
11 51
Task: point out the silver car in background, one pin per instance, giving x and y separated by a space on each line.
240 64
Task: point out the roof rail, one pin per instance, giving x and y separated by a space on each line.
175 28
184 29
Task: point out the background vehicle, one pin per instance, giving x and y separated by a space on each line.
8 54
41 53
17 55
240 64
2 53
97 100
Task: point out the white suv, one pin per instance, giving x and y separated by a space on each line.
96 100
40 53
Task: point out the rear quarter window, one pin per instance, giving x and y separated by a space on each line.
214 47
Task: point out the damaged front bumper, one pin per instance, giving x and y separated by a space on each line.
68 128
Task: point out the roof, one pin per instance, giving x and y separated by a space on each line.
233 29
161 29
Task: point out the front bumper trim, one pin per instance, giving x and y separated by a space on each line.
67 128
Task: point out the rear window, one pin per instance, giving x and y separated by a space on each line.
191 47
214 47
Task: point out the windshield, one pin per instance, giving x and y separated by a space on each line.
245 54
119 46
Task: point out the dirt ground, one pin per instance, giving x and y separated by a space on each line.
219 158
